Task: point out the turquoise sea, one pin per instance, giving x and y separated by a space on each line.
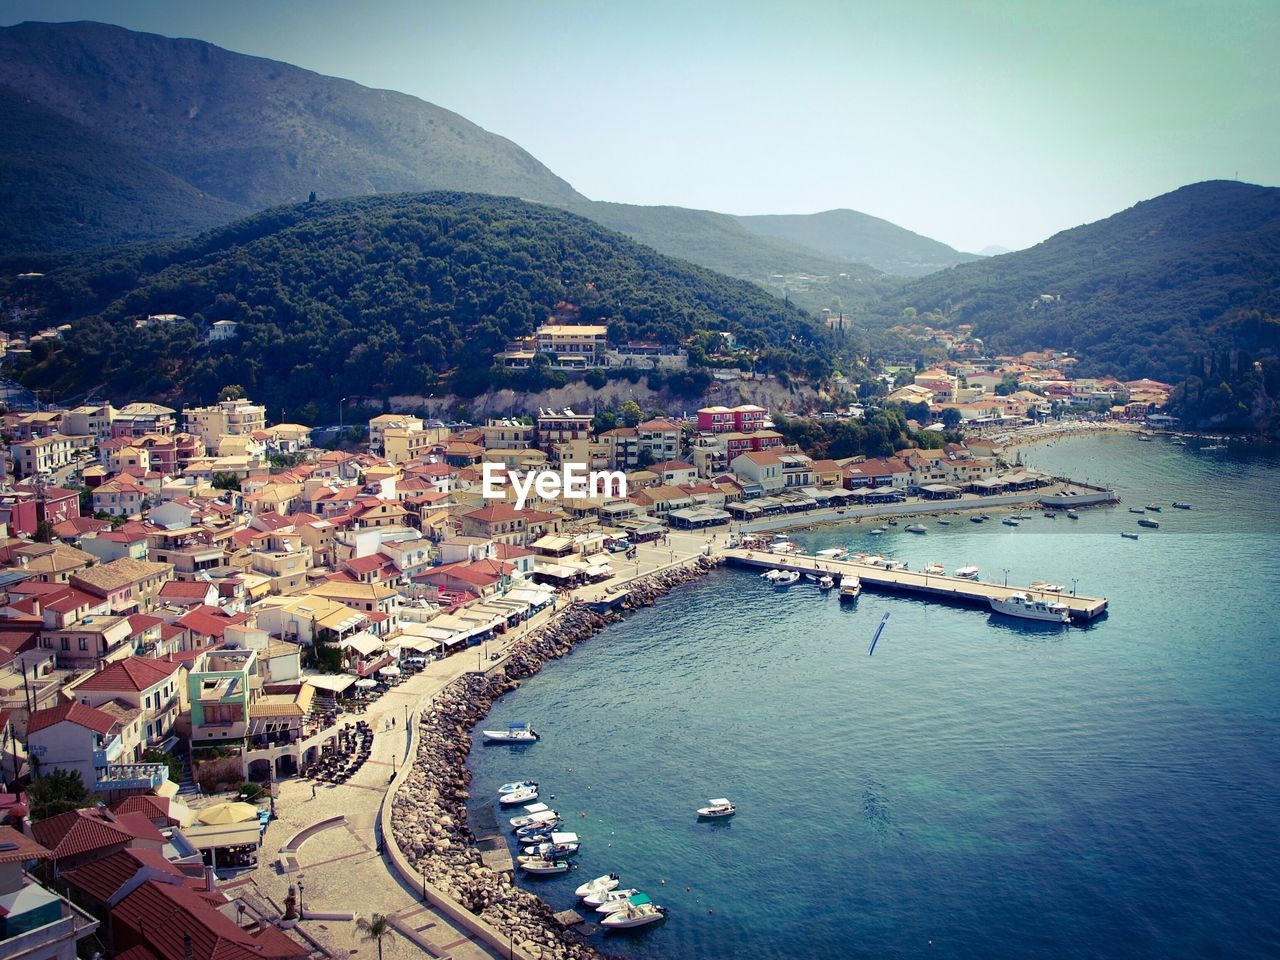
979 787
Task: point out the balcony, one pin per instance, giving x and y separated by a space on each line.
108 753
132 776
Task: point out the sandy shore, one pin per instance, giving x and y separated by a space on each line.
1066 428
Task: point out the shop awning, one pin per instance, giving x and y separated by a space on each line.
335 683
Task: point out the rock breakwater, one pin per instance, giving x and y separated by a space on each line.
429 814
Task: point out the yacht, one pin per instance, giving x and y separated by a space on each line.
640 911
1148 522
835 553
787 579
607 882
515 733
1046 587
850 587
543 867
1154 507
877 531
717 808
917 528
967 573
1020 605
517 797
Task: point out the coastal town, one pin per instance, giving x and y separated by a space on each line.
219 640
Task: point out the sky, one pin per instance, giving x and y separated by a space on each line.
976 123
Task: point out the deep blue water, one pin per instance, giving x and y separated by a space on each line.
978 788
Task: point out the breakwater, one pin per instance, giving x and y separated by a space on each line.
429 817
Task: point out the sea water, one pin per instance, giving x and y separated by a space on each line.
980 787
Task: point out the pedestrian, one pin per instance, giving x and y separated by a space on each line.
313 791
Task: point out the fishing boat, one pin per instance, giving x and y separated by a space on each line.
1022 606
540 866
533 813
1181 506
516 785
1072 515
1129 536
934 570
1144 437
850 588
517 797
877 531
917 528
1148 522
1154 507
1214 447
1009 522
944 523
561 845
788 578
607 882
598 898
639 912
1136 510
985 516
1178 442
826 583
967 573
515 733
717 808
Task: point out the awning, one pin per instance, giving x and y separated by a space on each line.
552 544
168 790
391 670
335 683
364 643
208 836
365 683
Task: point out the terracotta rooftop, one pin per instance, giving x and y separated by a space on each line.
75 712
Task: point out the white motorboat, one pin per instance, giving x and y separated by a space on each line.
1136 510
788 578
1154 507
536 833
517 797
1181 506
771 576
598 898
944 523
561 845
1021 605
640 911
542 867
934 570
877 531
1148 522
613 906
967 573
850 587
516 785
515 733
1010 521
917 528
1129 536
834 553
607 882
717 808
1046 586
533 813
826 583
1072 515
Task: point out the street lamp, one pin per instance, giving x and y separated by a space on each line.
340 403
301 913
1074 581
1006 576
424 883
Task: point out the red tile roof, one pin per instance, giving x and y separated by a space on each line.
133 673
76 713
80 831
16 847
209 621
192 589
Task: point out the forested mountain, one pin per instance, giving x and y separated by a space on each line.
853 237
1150 291
243 130
377 296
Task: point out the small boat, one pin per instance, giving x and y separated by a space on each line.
1010 522
534 813
1046 587
1144 437
1129 536
517 797
967 573
850 588
944 523
826 583
1155 507
977 519
985 516
608 882
639 911
614 906
1136 510
515 785
917 528
597 898
561 845
835 553
717 808
1072 515
934 570
893 523
536 833
1181 506
1178 442
1050 516
1022 606
788 578
877 531
540 866
1148 522
515 733
771 575
1215 447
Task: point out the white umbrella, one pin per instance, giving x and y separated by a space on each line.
364 683
390 670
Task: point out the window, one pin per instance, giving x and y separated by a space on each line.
84 643
66 643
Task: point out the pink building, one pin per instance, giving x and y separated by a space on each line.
746 418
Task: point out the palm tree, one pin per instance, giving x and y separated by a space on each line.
375 928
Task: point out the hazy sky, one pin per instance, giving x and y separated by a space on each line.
973 122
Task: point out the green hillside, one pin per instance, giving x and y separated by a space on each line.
377 296
853 237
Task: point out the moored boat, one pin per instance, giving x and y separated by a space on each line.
597 898
1136 510
944 523
788 578
967 573
1023 606
1046 586
850 587
917 528
640 911
717 808
934 570
1181 506
826 583
1072 515
1010 521
1148 522
876 531
515 733
536 833
533 813
517 797
561 845
516 785
977 519
834 553
1154 507
539 866
1129 536
609 881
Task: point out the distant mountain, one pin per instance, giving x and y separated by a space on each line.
1157 290
378 296
242 132
993 250
853 237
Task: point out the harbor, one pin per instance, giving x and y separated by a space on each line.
932 586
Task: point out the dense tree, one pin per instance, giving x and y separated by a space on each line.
57 792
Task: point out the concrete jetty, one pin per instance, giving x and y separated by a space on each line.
925 585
